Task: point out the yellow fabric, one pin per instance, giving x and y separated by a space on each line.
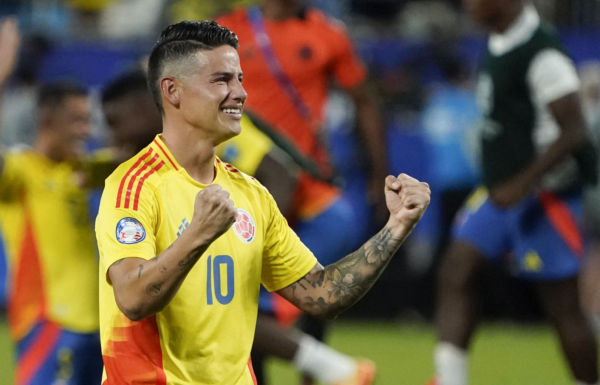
202 340
477 199
90 5
97 166
248 149
203 10
46 194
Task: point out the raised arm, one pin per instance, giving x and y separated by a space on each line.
144 287
10 39
325 292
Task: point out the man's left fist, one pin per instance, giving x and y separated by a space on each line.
407 199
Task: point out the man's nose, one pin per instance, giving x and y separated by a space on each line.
239 93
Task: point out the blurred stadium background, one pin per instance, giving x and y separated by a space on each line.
412 48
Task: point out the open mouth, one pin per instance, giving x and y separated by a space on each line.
232 111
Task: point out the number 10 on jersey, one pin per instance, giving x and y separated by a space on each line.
213 279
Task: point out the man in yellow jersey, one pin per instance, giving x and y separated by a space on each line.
185 239
132 115
53 305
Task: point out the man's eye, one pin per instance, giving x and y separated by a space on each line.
222 79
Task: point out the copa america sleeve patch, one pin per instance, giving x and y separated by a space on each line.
130 230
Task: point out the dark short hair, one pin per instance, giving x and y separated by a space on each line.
125 84
52 95
181 40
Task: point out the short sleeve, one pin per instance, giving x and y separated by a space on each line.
552 75
285 258
123 232
12 176
347 67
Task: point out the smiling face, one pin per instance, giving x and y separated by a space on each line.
212 97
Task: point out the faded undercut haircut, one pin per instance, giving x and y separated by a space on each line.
179 43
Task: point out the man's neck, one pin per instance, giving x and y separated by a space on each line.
507 19
280 10
194 153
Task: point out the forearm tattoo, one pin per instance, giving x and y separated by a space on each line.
153 289
338 286
191 258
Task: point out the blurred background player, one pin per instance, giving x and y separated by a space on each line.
49 239
589 72
536 159
130 113
132 117
290 54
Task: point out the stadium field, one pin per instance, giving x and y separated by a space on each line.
502 355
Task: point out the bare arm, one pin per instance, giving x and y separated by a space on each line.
568 114
10 39
371 129
280 176
144 287
327 291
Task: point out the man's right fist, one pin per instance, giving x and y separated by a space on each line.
214 212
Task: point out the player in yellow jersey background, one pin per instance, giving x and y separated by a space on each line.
52 306
185 239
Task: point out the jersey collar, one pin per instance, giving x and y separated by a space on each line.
161 148
517 34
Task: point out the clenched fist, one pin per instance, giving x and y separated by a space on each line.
214 212
407 199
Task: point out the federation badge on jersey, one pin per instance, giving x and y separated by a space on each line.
244 227
130 230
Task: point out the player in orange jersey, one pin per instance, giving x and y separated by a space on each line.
185 239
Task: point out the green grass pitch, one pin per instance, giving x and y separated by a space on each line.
502 355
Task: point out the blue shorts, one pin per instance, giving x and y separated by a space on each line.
542 232
51 355
330 236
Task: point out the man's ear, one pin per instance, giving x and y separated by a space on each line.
169 89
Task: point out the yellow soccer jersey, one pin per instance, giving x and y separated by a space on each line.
248 149
205 334
50 245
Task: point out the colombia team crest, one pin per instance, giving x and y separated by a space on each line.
244 227
130 230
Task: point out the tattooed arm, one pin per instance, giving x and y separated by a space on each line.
144 287
325 292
